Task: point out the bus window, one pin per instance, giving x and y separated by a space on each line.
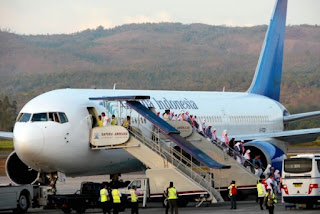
318 164
298 165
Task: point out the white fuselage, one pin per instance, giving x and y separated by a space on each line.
50 146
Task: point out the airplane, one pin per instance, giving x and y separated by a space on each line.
52 130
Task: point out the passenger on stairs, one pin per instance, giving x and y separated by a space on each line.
100 122
247 158
202 127
258 171
257 160
166 115
231 146
214 135
242 149
105 119
175 117
126 123
208 133
114 121
236 154
225 141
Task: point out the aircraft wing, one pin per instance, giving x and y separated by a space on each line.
301 116
292 136
6 135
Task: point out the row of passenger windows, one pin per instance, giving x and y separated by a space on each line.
218 119
210 119
237 119
58 117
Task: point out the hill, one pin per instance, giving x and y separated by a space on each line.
158 56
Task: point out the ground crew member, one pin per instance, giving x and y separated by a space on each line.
134 192
261 192
173 198
116 200
270 200
233 194
100 122
104 200
126 123
114 121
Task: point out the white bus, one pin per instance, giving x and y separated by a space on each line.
301 179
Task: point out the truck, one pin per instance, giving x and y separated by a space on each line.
85 198
151 191
20 198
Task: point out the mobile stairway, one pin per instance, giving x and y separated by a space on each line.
243 176
160 157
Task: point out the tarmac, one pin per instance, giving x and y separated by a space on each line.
223 208
73 184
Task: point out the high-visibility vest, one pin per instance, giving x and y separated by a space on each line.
103 195
115 196
114 122
126 124
230 188
260 190
100 123
273 197
134 197
172 193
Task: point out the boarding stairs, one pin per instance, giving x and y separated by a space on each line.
168 164
163 160
242 175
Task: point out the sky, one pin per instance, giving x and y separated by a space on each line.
70 16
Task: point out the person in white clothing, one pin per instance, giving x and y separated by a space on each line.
105 119
270 182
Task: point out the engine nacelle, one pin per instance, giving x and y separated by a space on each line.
18 172
269 153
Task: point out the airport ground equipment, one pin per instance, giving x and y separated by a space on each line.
21 198
160 157
85 198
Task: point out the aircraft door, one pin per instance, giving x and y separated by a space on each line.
94 117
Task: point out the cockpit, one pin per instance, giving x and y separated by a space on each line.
58 117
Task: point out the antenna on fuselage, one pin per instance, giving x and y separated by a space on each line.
114 86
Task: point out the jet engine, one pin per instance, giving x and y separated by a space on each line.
269 153
18 172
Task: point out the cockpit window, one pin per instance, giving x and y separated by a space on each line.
63 117
53 116
40 117
24 117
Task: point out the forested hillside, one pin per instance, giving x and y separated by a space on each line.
158 56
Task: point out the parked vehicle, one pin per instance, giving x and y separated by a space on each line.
301 179
21 198
151 191
85 198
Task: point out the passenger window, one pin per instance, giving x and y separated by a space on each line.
25 117
63 117
318 164
40 117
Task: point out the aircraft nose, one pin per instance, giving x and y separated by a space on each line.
28 140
